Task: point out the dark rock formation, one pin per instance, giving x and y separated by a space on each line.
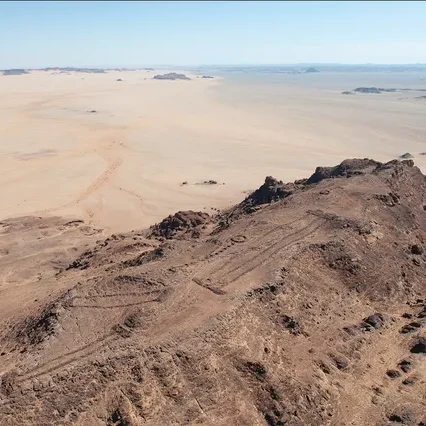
417 250
419 346
312 70
171 76
405 365
272 190
180 222
346 168
393 374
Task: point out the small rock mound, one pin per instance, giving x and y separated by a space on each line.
180 222
376 321
346 168
272 190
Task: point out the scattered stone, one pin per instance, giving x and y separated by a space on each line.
292 324
184 183
393 374
407 315
405 416
376 321
340 361
422 314
409 382
119 79
409 328
417 250
390 199
420 346
405 365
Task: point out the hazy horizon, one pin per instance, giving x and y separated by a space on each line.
213 65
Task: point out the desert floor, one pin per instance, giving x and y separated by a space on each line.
122 166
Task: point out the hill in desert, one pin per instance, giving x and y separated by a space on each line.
302 305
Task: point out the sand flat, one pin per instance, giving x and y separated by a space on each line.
121 167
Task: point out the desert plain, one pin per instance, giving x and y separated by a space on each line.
115 148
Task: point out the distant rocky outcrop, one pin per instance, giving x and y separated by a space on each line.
171 76
406 156
373 90
14 72
347 92
312 70
207 76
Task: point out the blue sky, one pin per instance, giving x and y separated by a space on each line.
130 34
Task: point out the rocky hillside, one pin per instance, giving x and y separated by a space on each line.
303 305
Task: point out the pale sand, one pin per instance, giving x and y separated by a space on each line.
121 168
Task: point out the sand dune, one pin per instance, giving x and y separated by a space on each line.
121 167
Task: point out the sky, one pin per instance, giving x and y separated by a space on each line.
135 34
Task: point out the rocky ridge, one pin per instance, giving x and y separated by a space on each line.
304 304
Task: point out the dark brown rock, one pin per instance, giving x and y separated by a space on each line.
419 346
416 249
